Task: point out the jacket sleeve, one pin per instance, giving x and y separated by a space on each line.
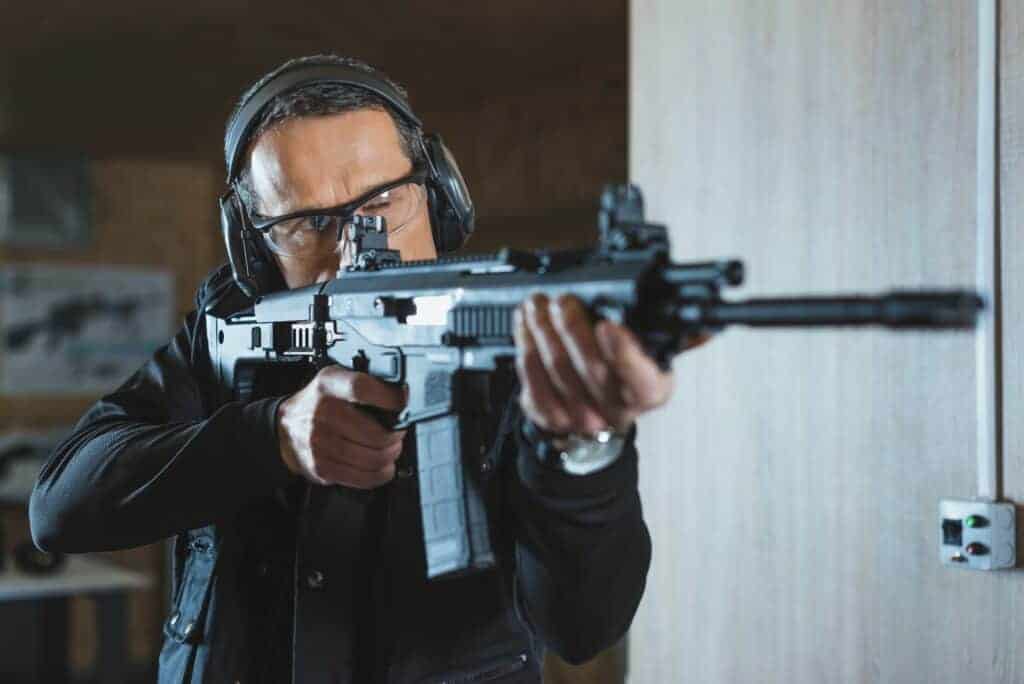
582 549
147 461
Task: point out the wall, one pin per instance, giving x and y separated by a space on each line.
147 214
792 484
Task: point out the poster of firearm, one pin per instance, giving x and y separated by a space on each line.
72 330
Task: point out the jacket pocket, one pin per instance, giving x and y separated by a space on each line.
183 628
503 668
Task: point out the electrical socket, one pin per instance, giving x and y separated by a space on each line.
977 535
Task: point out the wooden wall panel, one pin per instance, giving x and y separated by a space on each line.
536 162
147 214
792 484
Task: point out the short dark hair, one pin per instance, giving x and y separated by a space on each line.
321 99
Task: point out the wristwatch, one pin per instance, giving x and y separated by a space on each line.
573 454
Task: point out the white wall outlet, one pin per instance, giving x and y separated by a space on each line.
977 534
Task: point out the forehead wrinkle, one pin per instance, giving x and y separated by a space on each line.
316 163
267 174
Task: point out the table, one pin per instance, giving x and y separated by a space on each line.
34 618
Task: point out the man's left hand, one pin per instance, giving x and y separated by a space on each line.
581 377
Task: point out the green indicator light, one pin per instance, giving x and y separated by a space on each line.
975 521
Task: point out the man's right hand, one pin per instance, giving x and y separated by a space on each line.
328 439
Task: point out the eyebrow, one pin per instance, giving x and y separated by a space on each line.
367 191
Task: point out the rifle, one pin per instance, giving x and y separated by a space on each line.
444 327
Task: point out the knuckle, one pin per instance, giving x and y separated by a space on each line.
597 375
387 474
567 309
556 423
320 415
326 376
326 372
562 366
376 459
537 309
529 406
521 365
593 422
396 440
397 396
526 400
357 385
517 318
317 443
318 470
529 360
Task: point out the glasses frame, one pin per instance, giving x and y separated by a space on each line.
344 211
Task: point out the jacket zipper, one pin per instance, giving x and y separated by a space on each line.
490 672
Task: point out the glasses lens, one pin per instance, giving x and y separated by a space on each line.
309 236
398 206
313 236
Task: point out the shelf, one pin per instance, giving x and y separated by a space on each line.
80 575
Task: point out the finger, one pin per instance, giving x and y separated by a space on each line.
697 341
559 367
643 384
340 419
343 452
538 398
362 388
574 325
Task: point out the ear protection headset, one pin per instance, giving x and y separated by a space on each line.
450 206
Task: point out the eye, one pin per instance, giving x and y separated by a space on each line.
319 223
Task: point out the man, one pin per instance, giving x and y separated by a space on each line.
280 581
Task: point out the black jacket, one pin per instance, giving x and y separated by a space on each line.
278 579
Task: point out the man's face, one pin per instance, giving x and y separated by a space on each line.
325 161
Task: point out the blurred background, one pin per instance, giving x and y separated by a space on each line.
791 486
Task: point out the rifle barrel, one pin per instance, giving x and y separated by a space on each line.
900 310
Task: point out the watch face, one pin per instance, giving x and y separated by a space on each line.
583 456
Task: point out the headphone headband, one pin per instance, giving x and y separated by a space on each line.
242 123
448 201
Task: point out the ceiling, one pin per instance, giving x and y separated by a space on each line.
119 78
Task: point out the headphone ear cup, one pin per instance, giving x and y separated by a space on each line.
452 215
444 226
232 228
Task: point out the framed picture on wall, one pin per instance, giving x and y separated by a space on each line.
79 330
45 202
